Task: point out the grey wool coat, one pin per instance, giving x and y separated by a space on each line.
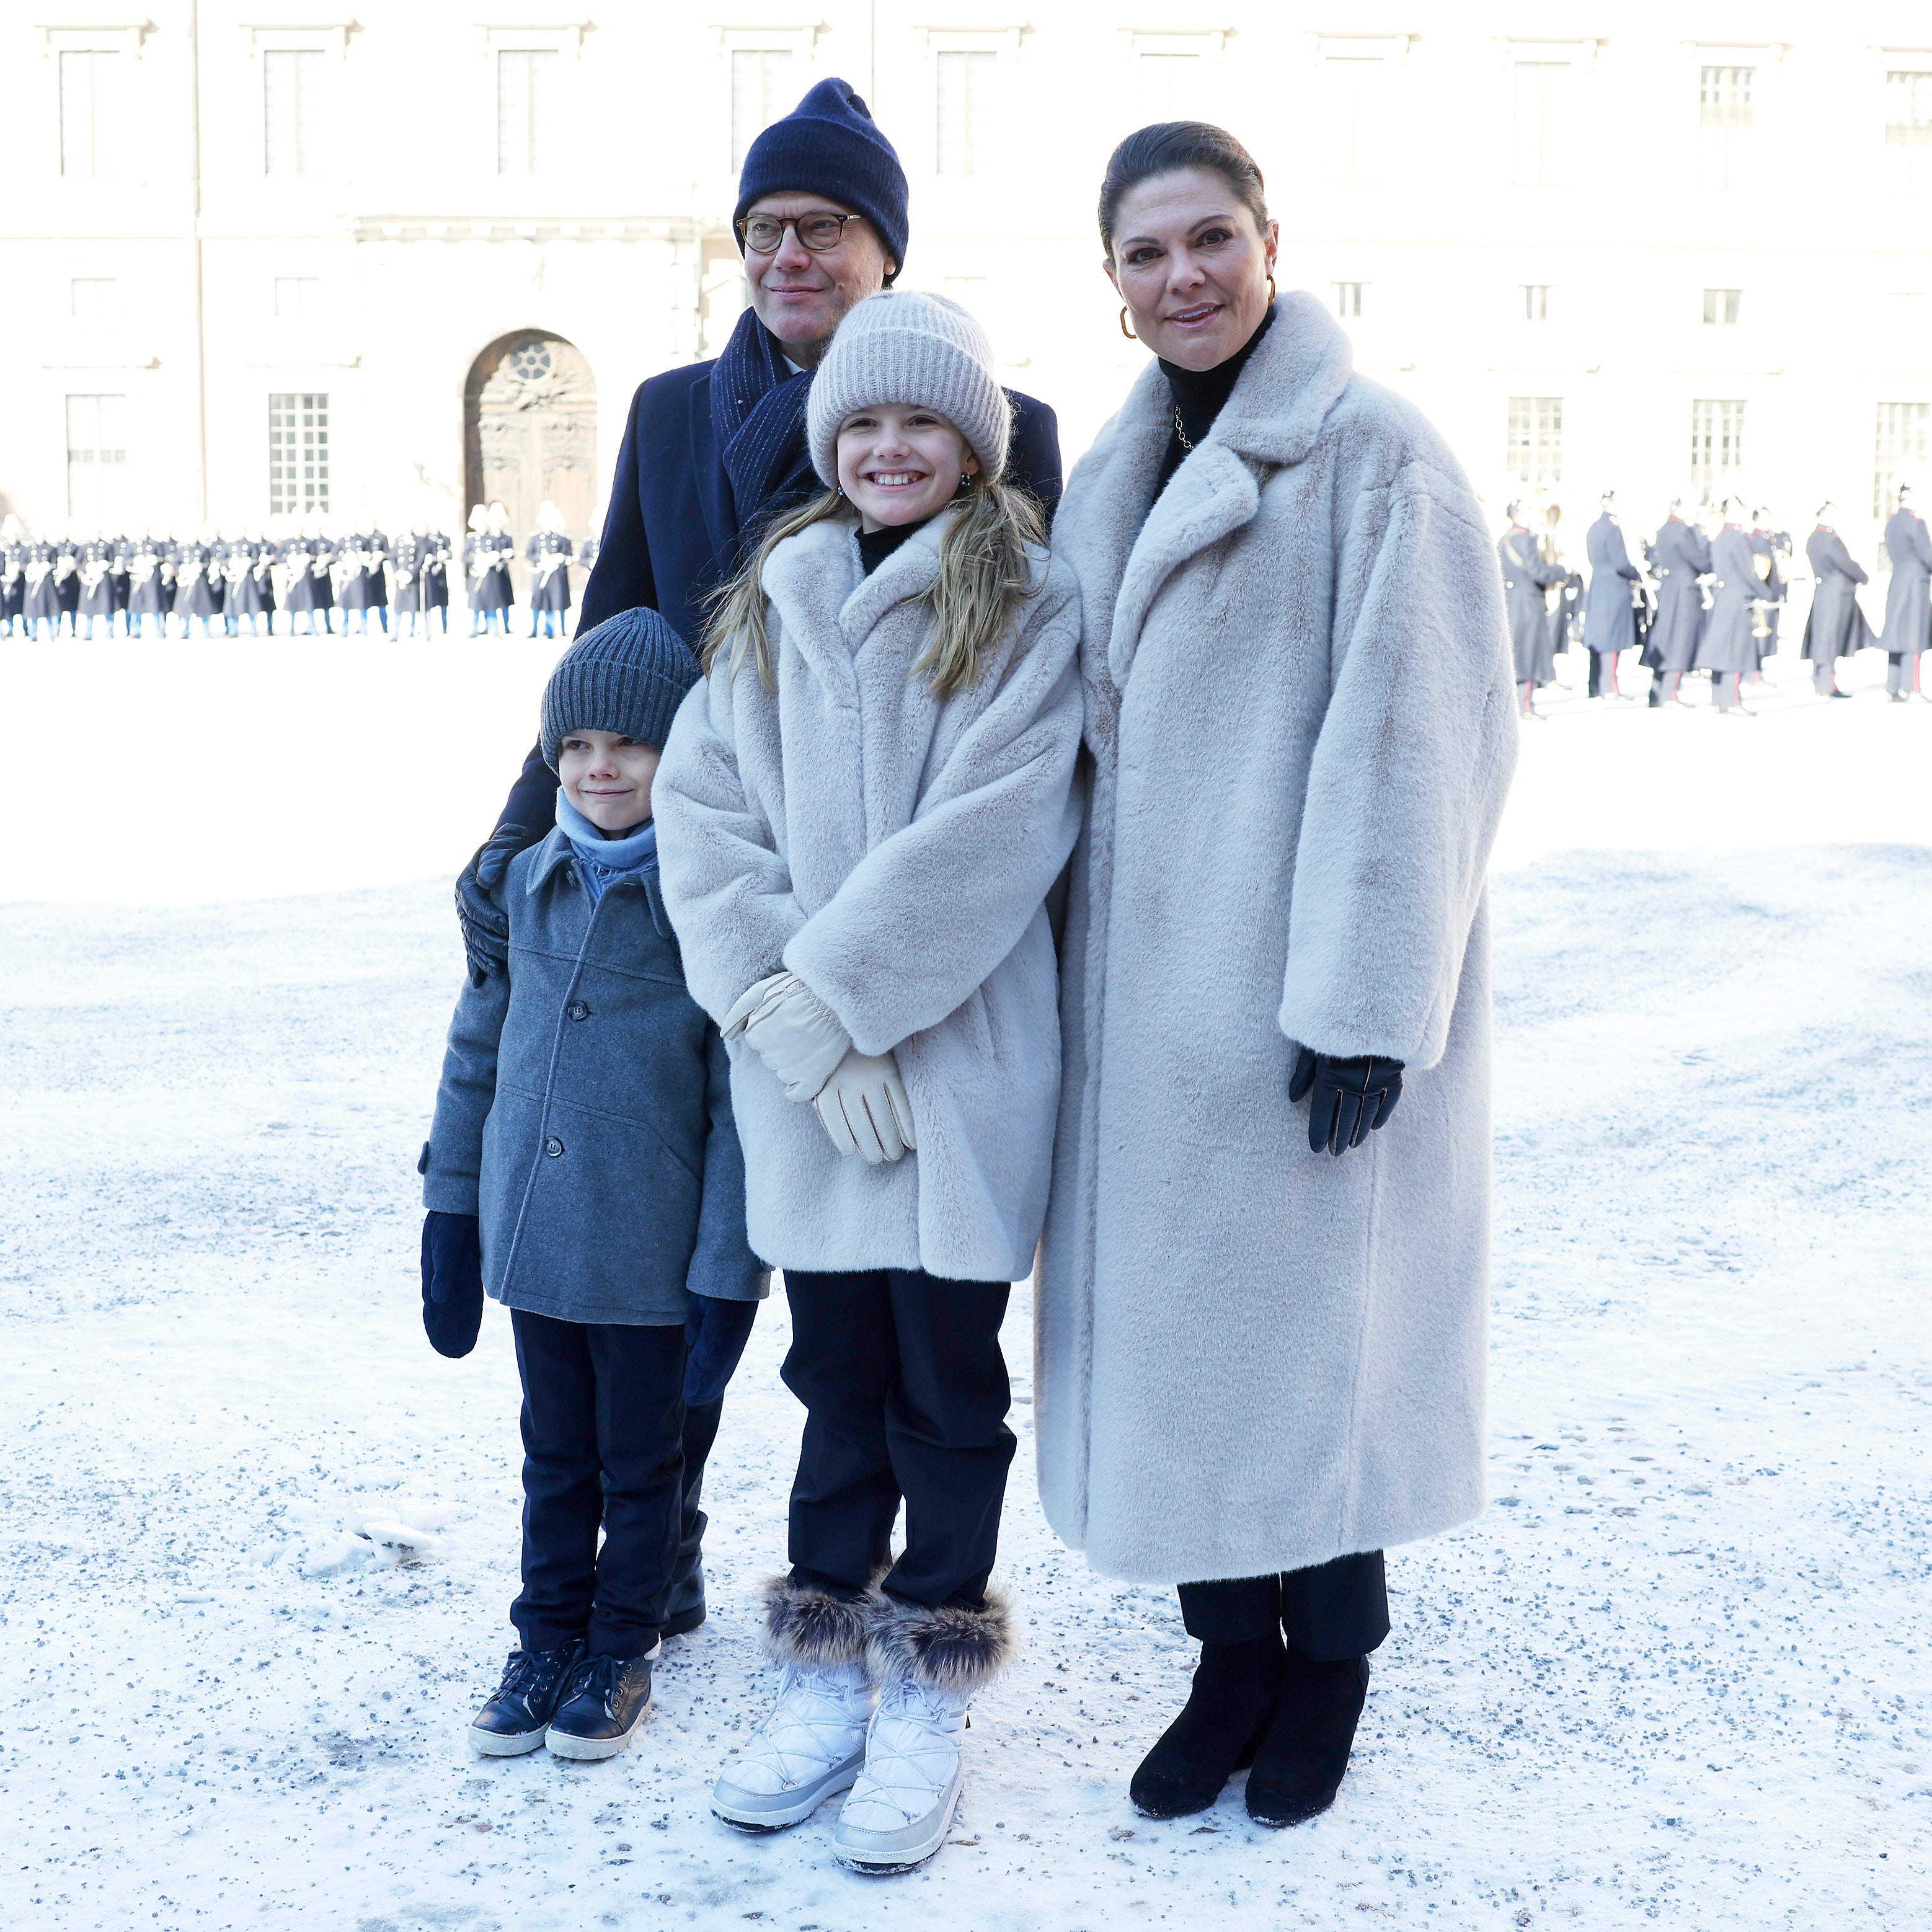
1252 1357
894 851
1727 644
1835 627
1908 599
1681 556
585 1111
1525 577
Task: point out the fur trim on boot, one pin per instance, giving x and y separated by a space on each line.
949 1648
814 1629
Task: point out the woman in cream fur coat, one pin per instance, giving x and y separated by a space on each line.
861 810
1261 1325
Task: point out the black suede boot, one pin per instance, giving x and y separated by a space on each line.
1299 1766
1226 1713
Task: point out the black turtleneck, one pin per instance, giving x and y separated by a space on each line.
875 546
1198 394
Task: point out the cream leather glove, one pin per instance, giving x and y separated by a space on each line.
865 1109
793 1031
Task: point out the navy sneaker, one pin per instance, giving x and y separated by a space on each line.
516 1718
603 1703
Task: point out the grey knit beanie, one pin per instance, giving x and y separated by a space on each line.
904 345
627 675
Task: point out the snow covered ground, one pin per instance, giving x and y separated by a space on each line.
259 1540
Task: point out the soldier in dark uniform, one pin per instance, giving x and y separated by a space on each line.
548 554
93 563
437 556
251 582
364 553
307 557
41 604
406 592
1679 557
1609 616
117 586
1773 547
375 554
1728 648
1835 627
198 585
67 581
1908 602
486 557
1525 576
147 608
12 576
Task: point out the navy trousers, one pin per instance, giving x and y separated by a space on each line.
1330 1612
906 1395
603 1426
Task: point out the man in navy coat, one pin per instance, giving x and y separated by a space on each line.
711 450
1908 603
1609 617
1681 558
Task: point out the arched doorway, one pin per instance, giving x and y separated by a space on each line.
529 432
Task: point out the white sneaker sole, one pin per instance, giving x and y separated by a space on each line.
499 1744
589 1749
882 1853
747 1810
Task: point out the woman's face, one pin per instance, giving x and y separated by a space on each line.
900 463
1191 266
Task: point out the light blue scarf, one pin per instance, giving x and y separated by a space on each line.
602 860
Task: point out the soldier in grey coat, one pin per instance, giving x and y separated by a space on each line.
1681 557
1728 648
1525 577
1908 604
1609 617
584 1168
1835 627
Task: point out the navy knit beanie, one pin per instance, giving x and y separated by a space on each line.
627 675
829 144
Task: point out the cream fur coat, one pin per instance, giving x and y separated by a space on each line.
1250 1357
894 851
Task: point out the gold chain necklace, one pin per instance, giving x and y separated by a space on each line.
1185 443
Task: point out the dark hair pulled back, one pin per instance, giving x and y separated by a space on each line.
1168 147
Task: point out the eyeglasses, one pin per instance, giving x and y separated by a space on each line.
818 230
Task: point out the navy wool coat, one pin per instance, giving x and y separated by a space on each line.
1908 602
1609 619
585 1112
1835 627
1680 556
1525 577
1727 644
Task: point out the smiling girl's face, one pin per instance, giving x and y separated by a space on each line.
900 463
1191 266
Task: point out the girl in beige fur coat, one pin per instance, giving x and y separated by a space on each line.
860 812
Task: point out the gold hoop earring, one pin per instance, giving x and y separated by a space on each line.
1271 295
1124 329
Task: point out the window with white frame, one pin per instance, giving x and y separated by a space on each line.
1534 454
1535 301
1901 451
1908 127
293 81
761 93
1543 102
1722 307
1169 86
1356 94
299 298
968 83
96 112
97 457
527 90
298 455
1347 298
94 298
1716 441
1727 121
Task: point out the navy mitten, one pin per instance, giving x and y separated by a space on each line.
452 1282
714 1334
1352 1097
486 931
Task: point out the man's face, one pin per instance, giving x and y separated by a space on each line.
801 297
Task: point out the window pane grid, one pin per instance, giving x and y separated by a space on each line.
291 98
966 83
1724 97
1908 108
1535 456
298 454
1716 441
1901 449
760 79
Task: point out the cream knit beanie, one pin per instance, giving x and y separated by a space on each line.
903 346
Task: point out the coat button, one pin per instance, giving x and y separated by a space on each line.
577 1010
553 1146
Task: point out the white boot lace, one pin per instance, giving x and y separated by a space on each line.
912 1750
819 1721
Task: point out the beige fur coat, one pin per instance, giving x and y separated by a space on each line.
1250 1357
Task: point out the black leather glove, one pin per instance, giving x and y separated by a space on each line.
486 931
452 1282
715 1333
1352 1097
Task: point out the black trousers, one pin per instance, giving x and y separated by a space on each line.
603 1425
1334 1610
906 1395
1603 674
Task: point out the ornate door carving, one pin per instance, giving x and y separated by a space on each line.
530 433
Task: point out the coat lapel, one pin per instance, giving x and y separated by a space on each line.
809 579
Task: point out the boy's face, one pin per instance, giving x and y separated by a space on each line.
607 777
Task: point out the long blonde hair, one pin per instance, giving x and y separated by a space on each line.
984 577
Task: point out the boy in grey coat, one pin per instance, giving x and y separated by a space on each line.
584 1168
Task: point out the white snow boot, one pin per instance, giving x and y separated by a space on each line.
814 1743
931 1662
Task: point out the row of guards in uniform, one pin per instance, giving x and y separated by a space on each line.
55 582
1707 596
488 551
